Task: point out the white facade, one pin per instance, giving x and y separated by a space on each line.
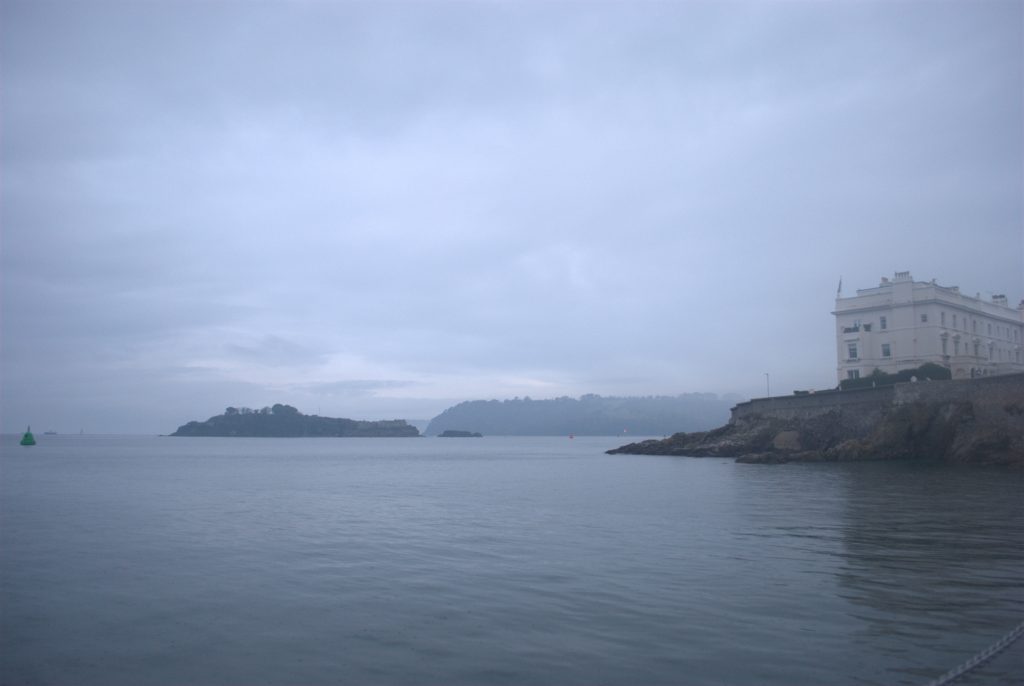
902 323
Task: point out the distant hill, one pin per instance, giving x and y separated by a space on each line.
286 422
590 415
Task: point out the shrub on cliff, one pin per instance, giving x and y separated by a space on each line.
929 371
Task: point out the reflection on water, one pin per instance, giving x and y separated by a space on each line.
933 559
515 561
900 571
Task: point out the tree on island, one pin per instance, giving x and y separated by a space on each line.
286 421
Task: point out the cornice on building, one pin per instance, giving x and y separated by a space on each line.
947 295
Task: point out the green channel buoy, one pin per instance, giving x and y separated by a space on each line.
28 438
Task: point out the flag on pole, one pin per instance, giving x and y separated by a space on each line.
839 290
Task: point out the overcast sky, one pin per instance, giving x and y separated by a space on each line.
376 210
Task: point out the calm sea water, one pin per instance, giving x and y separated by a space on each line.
494 561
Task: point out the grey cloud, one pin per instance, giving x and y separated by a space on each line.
250 198
354 387
276 351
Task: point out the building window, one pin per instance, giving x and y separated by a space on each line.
974 326
852 373
989 329
852 349
954 321
882 323
924 318
956 346
942 318
886 350
945 343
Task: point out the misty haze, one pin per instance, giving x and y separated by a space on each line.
511 342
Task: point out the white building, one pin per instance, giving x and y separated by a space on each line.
902 323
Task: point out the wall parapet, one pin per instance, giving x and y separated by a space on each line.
879 397
812 404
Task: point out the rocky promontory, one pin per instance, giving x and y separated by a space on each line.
976 421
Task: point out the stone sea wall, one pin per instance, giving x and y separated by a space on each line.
977 421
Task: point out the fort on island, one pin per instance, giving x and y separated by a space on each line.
924 372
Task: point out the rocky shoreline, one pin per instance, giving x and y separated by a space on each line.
978 422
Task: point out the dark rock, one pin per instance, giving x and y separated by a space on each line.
763 458
975 421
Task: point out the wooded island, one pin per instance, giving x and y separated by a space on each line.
284 421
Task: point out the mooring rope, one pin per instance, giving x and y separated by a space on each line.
981 658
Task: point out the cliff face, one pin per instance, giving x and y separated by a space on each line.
978 421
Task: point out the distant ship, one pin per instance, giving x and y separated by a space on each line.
28 438
49 433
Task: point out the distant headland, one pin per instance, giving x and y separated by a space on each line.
589 415
284 421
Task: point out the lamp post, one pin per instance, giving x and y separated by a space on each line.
767 385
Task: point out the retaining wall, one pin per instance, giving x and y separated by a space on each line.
988 395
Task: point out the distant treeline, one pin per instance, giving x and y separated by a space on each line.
590 415
285 421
